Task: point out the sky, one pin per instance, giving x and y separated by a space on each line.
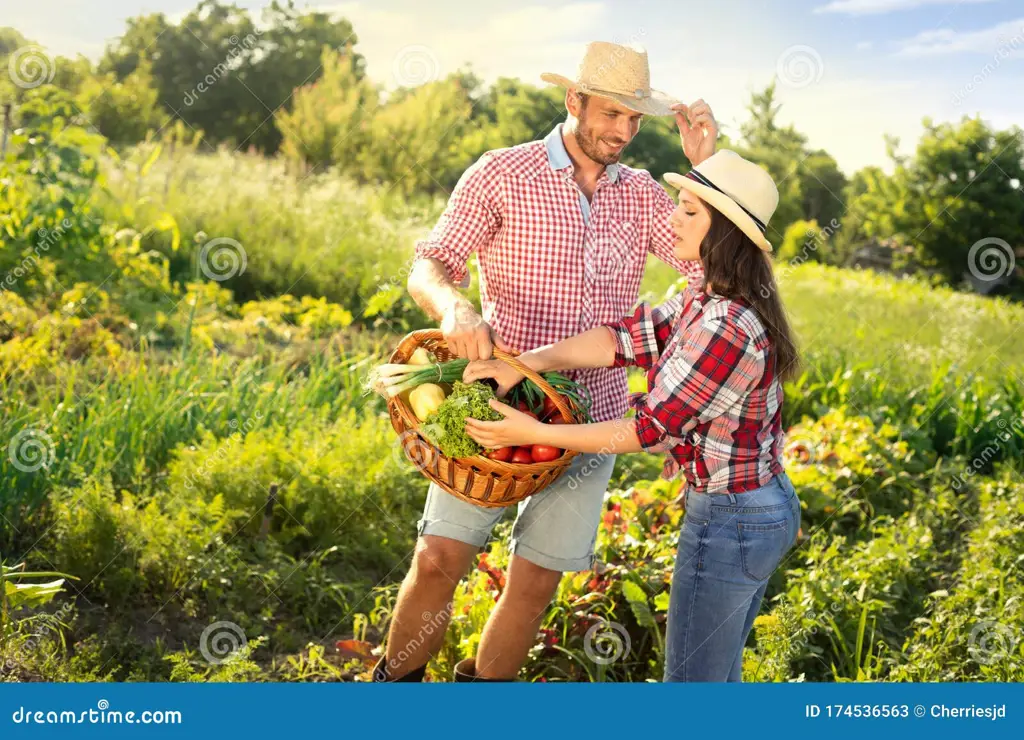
849 71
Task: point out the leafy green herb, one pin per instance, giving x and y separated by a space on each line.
446 427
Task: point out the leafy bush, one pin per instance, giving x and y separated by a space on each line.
326 473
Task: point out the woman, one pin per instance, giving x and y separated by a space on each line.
716 356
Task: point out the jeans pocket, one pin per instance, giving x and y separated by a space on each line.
762 546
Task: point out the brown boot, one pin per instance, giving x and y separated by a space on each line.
381 675
465 672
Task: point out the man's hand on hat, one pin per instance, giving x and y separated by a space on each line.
698 130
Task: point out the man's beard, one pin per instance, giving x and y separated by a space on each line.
588 142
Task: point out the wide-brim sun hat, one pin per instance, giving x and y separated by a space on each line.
619 73
741 190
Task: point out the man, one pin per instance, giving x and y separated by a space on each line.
562 231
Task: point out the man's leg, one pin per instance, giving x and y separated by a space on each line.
511 629
451 533
423 609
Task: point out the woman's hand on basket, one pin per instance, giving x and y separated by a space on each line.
516 428
505 375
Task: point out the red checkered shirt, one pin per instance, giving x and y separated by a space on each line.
545 273
713 401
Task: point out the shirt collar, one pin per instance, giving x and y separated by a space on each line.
558 157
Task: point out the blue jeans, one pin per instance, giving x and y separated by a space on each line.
729 545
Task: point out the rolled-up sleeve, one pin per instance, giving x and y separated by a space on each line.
470 219
707 374
663 239
641 338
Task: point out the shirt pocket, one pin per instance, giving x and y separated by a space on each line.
615 249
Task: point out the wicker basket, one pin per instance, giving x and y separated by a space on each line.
478 479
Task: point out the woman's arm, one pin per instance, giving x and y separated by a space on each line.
518 428
593 348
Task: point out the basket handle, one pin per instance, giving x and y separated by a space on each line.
421 335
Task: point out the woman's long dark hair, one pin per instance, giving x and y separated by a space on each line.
737 269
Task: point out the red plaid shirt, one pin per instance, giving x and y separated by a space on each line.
713 401
545 273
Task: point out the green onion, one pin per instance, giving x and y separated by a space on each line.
390 379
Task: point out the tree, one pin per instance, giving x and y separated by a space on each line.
962 186
808 181
220 73
416 142
331 119
123 111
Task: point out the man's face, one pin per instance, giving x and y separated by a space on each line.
605 128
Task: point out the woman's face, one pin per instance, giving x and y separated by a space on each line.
690 222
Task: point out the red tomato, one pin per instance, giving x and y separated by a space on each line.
502 454
549 407
544 453
557 419
522 455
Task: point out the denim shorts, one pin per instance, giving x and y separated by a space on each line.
555 528
729 545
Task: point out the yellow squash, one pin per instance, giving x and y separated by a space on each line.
425 399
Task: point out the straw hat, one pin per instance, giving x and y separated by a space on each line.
743 191
619 73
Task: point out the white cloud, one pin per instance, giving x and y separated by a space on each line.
875 7
1005 39
404 48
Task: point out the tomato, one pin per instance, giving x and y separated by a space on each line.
502 454
549 408
521 455
557 419
522 406
544 453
